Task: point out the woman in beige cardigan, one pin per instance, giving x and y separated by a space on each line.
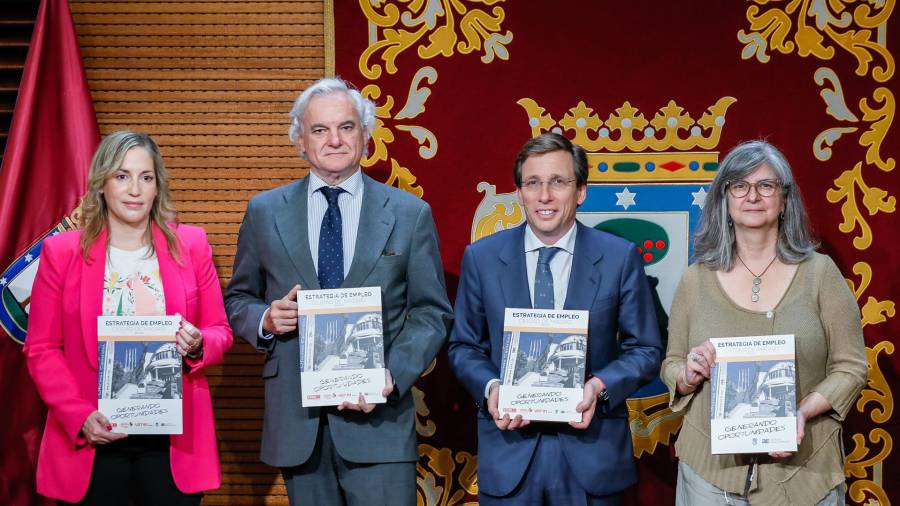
756 272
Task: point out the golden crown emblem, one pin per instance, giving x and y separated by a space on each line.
627 147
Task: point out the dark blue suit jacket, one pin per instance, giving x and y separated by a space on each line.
608 279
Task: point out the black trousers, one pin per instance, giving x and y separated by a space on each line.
134 470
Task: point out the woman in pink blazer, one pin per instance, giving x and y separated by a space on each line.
129 258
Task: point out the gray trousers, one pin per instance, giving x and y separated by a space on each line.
326 479
693 490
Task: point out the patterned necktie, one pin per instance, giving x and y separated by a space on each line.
543 279
331 243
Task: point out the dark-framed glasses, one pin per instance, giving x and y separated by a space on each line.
556 184
764 188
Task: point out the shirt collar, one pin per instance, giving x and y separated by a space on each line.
351 185
565 243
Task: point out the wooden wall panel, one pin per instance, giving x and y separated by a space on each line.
212 81
16 24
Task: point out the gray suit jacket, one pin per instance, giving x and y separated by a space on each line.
397 249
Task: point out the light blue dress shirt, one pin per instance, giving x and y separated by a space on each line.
350 204
560 267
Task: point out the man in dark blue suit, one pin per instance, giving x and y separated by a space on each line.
586 463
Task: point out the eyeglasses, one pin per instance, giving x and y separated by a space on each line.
556 184
764 188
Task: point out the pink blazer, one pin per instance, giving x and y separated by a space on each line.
61 351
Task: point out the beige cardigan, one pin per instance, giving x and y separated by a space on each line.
821 312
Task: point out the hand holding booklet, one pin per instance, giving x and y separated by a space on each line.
543 363
753 395
139 384
341 346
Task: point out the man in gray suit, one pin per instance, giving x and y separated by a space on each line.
339 228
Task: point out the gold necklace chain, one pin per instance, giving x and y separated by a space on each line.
757 278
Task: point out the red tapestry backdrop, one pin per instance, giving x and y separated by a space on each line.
657 92
44 174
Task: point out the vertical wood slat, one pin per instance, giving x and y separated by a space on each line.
212 81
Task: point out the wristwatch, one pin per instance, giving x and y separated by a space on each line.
603 395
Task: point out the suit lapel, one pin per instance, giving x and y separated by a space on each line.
584 279
170 275
514 276
91 302
92 287
290 220
375 226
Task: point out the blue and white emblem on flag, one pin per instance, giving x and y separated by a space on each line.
16 281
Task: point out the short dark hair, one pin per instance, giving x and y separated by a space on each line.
548 143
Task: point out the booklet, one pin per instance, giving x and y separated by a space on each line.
754 395
543 362
139 387
341 346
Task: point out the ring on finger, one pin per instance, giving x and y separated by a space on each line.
694 357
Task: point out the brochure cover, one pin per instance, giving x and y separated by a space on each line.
543 363
753 396
341 346
139 388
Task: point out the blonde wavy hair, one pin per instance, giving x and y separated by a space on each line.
107 160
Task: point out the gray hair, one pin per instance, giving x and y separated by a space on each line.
714 242
548 143
365 108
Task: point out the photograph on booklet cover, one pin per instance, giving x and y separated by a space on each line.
140 374
543 364
754 399
341 345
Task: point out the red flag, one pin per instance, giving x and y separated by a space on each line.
44 174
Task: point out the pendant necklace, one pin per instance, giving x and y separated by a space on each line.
757 278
